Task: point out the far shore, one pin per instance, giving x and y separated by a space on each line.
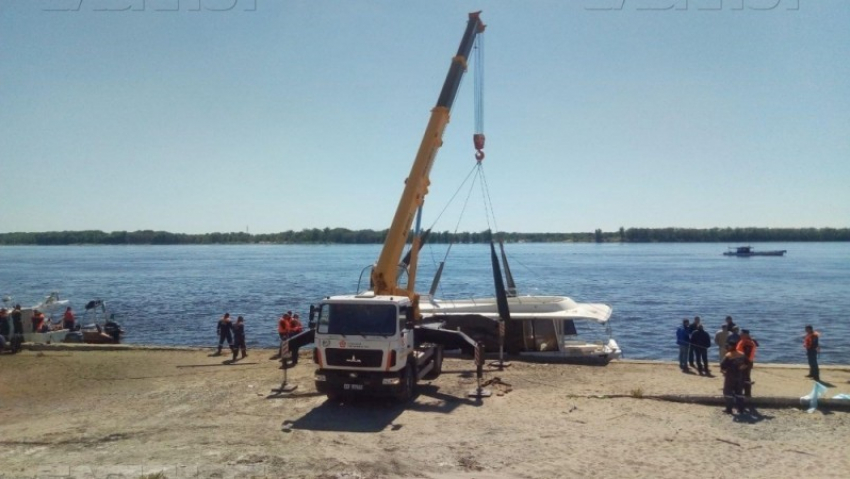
133 411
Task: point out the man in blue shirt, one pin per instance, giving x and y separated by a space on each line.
683 340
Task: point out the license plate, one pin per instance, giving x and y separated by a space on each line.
353 387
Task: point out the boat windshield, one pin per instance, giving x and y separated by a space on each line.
358 319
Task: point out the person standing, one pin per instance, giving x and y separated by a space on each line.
68 320
5 329
683 340
225 332
295 326
720 338
18 329
733 337
730 325
700 342
747 346
283 326
812 345
239 338
733 365
692 350
5 325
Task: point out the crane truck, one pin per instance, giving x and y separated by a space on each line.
373 342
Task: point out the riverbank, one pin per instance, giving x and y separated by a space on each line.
67 413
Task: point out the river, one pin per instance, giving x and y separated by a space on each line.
173 295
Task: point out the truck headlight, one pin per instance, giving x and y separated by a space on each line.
320 377
390 381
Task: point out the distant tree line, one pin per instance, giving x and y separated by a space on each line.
346 236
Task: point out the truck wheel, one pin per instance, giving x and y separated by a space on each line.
435 372
408 384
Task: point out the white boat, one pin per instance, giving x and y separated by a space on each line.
552 328
53 309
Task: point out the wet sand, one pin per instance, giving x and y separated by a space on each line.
182 412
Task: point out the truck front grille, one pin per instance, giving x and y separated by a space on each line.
354 358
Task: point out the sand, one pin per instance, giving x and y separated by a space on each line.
185 414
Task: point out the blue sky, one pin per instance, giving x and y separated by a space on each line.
303 114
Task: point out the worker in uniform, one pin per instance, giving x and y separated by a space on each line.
747 346
700 342
17 329
239 338
68 320
812 345
691 349
733 365
225 332
283 326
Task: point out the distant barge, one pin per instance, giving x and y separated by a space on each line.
749 251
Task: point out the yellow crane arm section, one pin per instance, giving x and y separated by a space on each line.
385 273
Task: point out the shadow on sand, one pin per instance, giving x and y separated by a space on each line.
363 414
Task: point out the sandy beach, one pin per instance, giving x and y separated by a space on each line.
182 413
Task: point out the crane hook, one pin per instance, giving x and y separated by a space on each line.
478 141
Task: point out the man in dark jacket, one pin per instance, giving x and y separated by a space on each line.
18 326
700 342
692 351
683 340
239 338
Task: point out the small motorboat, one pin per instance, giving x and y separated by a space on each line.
747 251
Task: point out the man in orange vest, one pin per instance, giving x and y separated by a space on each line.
812 345
283 327
68 320
747 346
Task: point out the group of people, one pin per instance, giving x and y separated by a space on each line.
234 334
288 326
737 353
11 329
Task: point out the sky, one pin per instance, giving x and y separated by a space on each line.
198 116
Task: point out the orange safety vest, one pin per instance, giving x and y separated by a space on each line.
38 322
807 342
747 342
283 325
295 326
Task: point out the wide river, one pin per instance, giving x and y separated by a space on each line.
173 295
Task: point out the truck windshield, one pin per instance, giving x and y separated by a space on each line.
361 319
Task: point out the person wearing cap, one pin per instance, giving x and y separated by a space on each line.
747 346
812 345
683 340
239 338
733 365
700 342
